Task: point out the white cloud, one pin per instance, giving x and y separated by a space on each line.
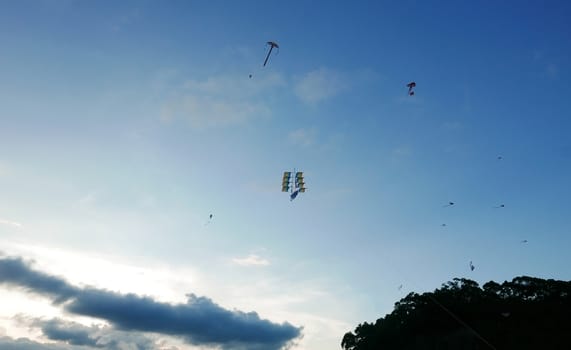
319 85
221 101
311 137
10 223
303 137
206 112
251 260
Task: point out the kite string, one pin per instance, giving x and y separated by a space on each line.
455 317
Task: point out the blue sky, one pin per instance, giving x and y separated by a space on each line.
124 125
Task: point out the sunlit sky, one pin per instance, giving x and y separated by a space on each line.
125 124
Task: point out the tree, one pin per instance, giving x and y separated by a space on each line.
526 313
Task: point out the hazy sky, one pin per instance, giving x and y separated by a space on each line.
125 124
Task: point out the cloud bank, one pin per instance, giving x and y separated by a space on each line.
199 321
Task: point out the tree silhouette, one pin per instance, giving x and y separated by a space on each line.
526 313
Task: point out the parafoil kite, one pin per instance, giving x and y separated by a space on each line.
272 45
410 86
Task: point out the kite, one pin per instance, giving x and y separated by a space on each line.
209 219
272 45
410 86
472 266
501 206
443 225
524 241
400 287
295 184
448 205
500 157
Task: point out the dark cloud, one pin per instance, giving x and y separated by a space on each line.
199 321
114 340
69 332
7 343
102 337
14 271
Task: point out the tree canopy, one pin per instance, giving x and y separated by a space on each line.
526 313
